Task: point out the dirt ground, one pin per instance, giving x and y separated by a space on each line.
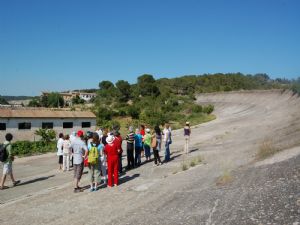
250 191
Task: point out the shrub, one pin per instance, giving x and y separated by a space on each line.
47 135
208 109
24 148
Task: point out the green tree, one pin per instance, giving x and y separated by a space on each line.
124 90
106 85
147 85
35 102
77 100
55 100
3 101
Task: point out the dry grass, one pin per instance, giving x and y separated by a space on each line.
184 166
266 149
224 179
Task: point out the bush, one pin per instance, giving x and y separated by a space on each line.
24 148
47 135
208 109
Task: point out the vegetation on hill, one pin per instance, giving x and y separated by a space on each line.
3 101
154 102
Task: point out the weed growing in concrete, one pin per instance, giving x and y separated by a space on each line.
266 150
224 179
193 163
184 167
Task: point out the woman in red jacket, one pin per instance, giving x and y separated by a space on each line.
112 151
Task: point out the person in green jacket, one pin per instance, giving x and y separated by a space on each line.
7 165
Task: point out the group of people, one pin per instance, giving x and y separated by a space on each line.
101 151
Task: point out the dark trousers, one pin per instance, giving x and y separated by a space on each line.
156 156
130 157
120 163
137 158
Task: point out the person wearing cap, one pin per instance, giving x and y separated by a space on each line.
112 151
130 148
80 152
147 143
137 147
186 133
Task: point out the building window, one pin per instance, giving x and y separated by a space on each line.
2 126
86 124
47 125
24 126
67 125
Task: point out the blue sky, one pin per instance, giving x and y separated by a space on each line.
68 44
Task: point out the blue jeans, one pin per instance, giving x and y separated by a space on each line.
147 151
167 151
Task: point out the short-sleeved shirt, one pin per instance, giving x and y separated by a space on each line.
59 146
9 152
79 148
138 140
147 139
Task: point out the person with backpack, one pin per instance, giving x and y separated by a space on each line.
7 158
187 133
156 145
147 143
130 148
60 153
168 141
112 151
94 152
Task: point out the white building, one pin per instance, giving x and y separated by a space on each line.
22 123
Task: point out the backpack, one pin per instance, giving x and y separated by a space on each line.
93 155
153 142
3 153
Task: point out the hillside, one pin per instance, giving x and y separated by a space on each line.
230 186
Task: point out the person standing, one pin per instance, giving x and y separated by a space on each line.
80 152
187 133
138 147
142 132
112 151
7 164
66 153
118 140
95 150
168 141
156 144
147 143
130 148
60 153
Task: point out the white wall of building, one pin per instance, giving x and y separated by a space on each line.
13 124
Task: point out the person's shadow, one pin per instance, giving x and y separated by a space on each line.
126 178
35 180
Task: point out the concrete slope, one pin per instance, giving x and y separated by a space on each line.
266 192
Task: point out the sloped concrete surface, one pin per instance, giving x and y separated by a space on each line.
265 192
